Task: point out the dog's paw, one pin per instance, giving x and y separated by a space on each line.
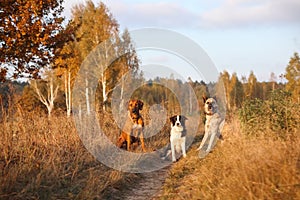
207 150
202 154
184 155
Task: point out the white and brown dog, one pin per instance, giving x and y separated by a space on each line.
213 124
177 136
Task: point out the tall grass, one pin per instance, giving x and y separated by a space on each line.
241 167
43 158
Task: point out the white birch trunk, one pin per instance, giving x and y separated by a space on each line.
87 96
68 92
51 94
104 95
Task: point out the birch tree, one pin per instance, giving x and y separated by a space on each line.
46 90
129 61
67 65
68 92
93 26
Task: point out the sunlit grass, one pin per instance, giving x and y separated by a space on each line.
43 158
239 168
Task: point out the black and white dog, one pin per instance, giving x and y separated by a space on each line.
177 136
213 124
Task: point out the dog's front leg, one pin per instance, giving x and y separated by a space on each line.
203 140
142 139
142 142
173 153
140 135
183 148
211 140
128 141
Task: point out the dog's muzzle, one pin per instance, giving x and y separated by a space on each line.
135 110
209 106
178 128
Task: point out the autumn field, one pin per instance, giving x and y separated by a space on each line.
44 158
53 71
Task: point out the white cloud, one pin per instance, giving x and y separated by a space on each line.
167 14
234 13
201 13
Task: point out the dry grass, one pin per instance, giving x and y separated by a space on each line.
239 168
45 159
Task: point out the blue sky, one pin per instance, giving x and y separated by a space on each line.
238 35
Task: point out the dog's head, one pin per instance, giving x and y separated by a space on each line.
178 122
134 106
210 105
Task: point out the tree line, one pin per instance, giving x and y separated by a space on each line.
36 43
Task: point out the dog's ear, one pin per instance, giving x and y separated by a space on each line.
184 117
141 104
204 97
172 119
215 98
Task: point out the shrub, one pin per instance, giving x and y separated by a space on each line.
253 116
278 115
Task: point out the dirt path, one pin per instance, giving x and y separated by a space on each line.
146 186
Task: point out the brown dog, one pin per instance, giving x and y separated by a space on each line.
132 132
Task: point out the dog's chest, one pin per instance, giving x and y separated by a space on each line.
175 134
207 122
131 125
211 121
